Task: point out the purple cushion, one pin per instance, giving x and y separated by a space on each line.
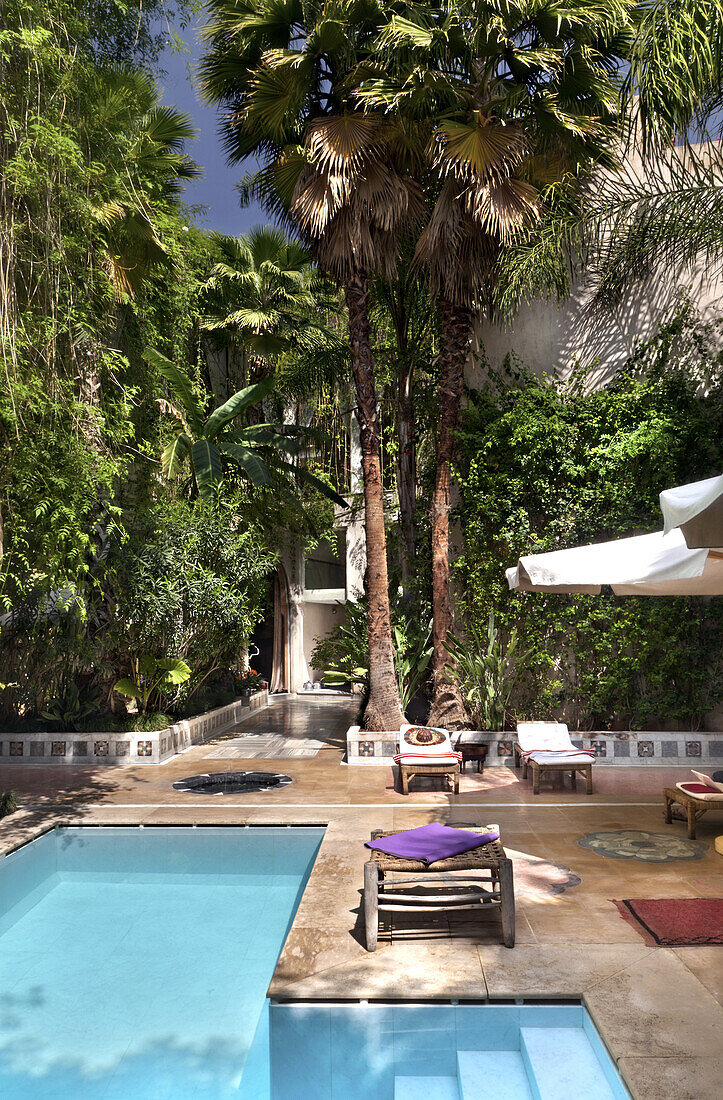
430 843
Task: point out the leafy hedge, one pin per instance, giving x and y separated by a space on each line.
546 464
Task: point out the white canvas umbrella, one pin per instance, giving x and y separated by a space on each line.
647 565
697 509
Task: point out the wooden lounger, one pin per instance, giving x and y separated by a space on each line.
494 887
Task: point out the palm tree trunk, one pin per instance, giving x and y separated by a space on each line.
447 708
406 470
383 709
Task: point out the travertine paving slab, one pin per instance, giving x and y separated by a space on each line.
393 970
655 1007
552 970
678 1078
707 965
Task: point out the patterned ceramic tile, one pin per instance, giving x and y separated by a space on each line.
366 748
577 744
715 748
100 748
646 847
621 748
57 748
600 748
145 748
122 748
80 748
693 748
16 748
37 748
389 748
504 748
646 748
669 748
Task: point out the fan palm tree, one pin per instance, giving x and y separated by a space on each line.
260 452
339 176
516 98
258 292
662 210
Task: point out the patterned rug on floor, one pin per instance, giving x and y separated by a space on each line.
266 746
675 922
647 847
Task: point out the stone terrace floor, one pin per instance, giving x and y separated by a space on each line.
659 1010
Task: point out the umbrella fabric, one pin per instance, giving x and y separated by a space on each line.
697 509
645 565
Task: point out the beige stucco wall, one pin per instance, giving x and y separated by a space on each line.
550 337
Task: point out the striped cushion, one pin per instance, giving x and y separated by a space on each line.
421 758
560 756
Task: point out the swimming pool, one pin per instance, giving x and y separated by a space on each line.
438 1052
134 963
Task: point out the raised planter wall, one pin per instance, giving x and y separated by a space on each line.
626 747
78 749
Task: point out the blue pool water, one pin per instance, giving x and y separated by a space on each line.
134 963
438 1052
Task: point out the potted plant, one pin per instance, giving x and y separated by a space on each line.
247 681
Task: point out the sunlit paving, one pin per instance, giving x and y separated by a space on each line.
361 550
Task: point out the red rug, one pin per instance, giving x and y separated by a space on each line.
675 922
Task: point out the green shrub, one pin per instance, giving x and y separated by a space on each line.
545 465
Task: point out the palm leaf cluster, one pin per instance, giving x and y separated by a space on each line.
261 453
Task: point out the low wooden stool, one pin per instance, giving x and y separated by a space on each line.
449 771
694 807
495 887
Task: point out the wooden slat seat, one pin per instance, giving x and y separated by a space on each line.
495 888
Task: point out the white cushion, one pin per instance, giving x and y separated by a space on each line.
544 735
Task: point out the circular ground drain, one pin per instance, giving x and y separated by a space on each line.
232 782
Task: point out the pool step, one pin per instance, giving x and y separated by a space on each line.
493 1075
426 1088
558 1059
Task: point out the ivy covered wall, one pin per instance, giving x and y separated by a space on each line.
545 465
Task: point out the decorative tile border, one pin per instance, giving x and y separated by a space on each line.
132 748
624 747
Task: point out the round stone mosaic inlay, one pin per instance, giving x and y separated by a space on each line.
648 847
232 782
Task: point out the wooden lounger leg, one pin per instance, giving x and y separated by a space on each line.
668 809
455 779
371 904
507 902
588 779
535 777
691 821
405 779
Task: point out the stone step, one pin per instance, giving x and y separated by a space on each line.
561 1062
493 1075
426 1088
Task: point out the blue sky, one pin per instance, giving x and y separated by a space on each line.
215 190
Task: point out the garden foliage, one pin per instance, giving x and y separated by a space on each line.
546 464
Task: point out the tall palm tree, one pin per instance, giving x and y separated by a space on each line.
339 176
258 293
515 98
